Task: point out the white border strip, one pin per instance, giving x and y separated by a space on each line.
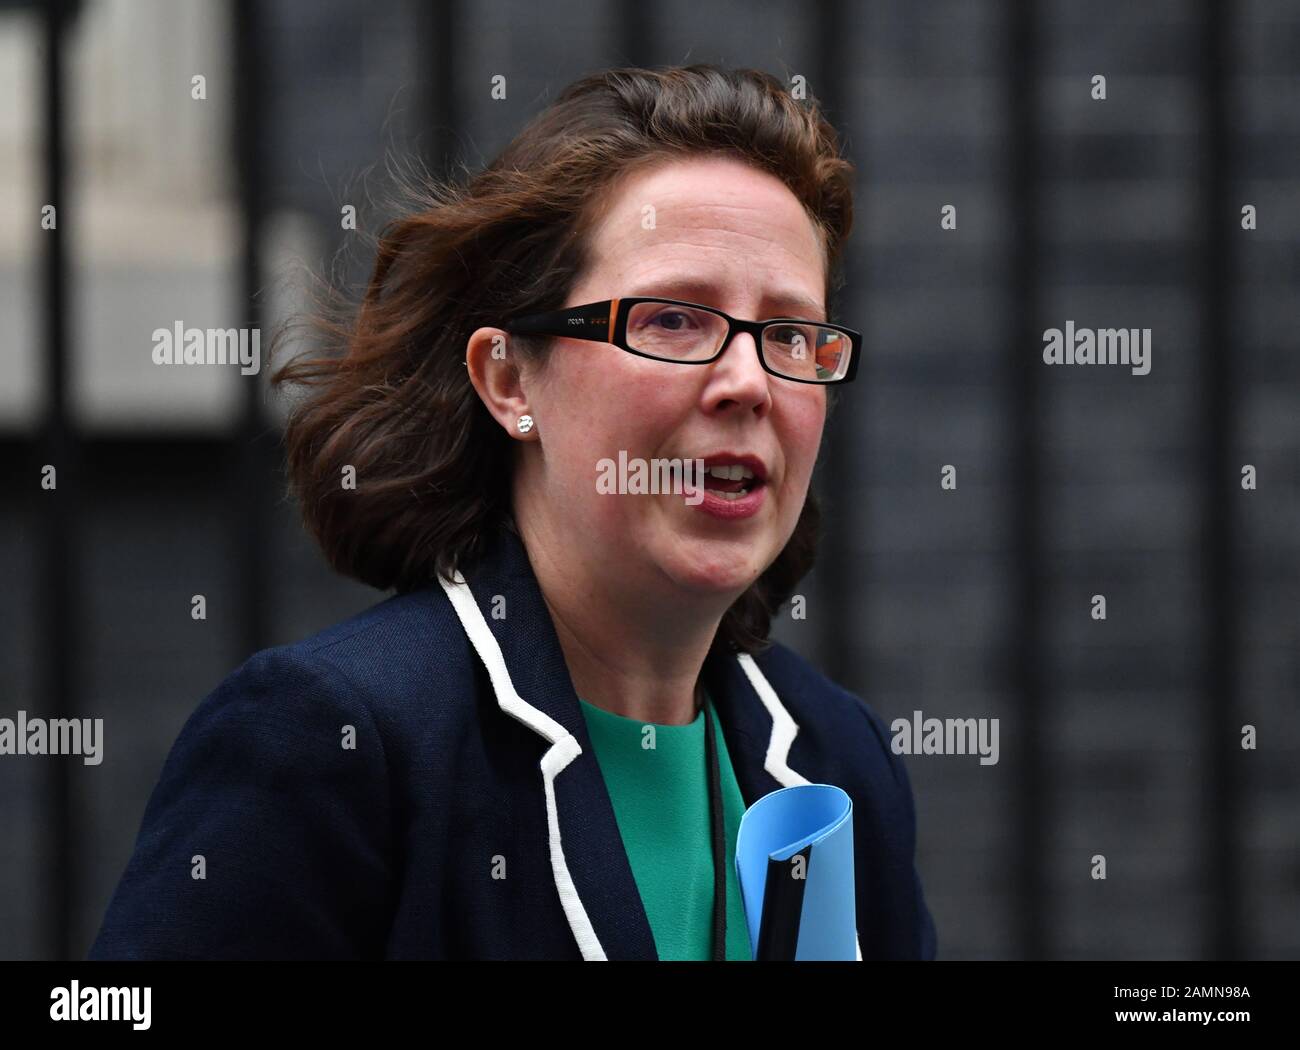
564 749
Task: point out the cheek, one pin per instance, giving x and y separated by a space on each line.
598 414
803 420
632 406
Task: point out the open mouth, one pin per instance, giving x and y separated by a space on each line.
725 481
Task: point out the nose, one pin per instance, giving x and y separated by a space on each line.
738 374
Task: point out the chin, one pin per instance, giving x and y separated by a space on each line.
720 568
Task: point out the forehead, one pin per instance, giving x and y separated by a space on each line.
713 219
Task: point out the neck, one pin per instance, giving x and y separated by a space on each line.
629 652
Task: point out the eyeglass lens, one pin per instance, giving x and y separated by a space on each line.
681 333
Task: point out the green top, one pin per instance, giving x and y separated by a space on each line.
658 783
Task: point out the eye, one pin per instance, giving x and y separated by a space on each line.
787 335
672 320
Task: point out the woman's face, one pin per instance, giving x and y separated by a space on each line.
708 230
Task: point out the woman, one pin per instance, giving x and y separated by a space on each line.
542 744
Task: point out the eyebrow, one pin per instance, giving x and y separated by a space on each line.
701 290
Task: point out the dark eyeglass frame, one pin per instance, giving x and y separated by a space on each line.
606 322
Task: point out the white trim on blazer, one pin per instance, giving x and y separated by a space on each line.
565 748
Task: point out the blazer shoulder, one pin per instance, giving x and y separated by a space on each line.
382 627
269 830
391 658
272 828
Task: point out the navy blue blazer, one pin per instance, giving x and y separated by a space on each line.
468 818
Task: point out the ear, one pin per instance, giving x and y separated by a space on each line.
498 377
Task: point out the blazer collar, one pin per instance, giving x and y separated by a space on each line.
525 663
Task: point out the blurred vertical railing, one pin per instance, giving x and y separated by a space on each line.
250 485
843 648
57 587
1026 656
635 45
1221 845
435 28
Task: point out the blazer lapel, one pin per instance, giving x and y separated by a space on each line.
588 860
746 725
526 664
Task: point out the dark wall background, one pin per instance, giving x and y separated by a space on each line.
1118 737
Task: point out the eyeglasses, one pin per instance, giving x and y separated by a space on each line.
691 334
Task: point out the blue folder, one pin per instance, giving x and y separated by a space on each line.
794 859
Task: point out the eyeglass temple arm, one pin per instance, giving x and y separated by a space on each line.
593 321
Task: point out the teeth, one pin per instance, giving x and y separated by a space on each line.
730 472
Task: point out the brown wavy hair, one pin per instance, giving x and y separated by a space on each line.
386 390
